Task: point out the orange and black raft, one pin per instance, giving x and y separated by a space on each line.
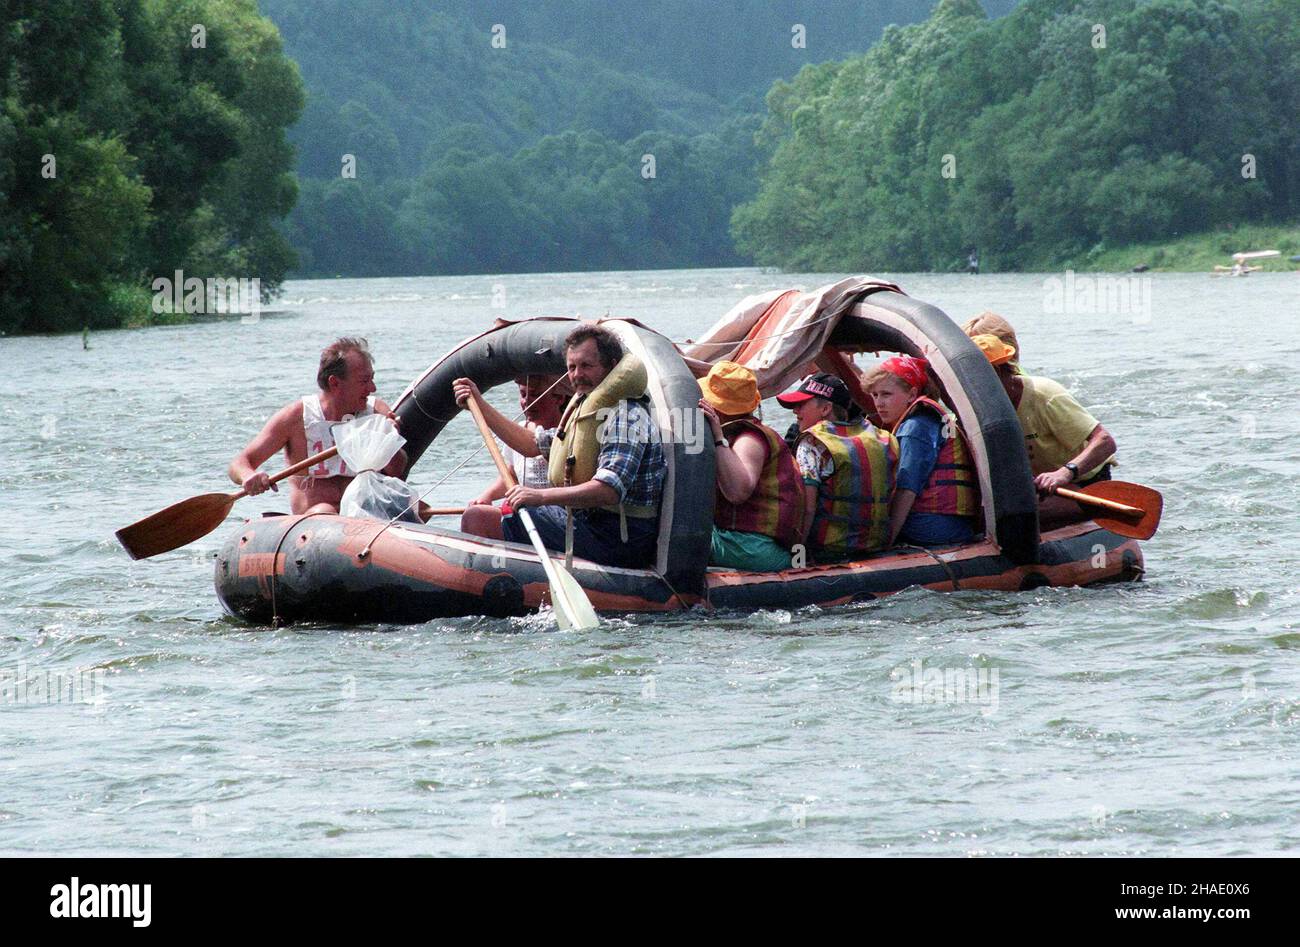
343 570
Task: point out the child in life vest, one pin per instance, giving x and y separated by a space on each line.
936 497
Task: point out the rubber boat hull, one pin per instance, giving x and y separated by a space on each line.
332 569
311 569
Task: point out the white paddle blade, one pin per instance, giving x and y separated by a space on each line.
573 609
571 602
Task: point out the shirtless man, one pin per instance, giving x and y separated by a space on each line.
347 385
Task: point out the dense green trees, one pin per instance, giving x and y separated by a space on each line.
573 201
1064 127
479 158
132 145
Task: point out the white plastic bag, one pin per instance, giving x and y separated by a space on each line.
366 446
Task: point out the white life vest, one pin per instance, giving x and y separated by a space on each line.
320 436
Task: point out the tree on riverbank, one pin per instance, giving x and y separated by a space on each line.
1059 130
138 137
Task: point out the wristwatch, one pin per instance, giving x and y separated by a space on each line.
722 443
1074 471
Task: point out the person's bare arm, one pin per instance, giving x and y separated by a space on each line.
1098 447
740 465
517 437
495 491
272 438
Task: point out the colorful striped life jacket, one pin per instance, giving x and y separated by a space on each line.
852 513
774 506
953 487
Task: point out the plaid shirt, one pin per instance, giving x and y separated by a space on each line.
631 459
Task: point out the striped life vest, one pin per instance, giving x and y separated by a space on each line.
773 508
852 513
953 487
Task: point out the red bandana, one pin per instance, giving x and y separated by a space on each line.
910 369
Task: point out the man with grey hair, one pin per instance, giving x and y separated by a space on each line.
346 378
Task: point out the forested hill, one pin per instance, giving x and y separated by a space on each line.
408 77
475 157
1043 138
723 49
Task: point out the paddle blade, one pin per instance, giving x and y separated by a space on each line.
178 525
1149 501
572 607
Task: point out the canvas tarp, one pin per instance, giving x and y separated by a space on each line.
779 335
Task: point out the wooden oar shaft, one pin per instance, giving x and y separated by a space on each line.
295 469
503 468
1099 501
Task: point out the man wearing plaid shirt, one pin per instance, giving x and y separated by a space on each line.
629 469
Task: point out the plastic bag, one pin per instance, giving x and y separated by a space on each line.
367 445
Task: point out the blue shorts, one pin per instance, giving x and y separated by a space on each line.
595 535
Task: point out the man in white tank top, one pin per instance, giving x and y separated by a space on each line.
346 378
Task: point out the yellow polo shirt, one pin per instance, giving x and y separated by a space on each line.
1056 426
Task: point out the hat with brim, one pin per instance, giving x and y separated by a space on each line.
821 385
994 349
731 388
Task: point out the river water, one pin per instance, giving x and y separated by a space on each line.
1155 718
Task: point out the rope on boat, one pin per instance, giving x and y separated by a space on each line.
952 576
276 620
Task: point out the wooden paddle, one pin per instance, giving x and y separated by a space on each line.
572 607
428 511
1136 509
182 523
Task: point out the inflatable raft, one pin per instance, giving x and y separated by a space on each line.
289 568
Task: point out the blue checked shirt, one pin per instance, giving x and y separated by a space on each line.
631 459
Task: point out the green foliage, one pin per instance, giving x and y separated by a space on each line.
452 137
162 156
572 201
1058 146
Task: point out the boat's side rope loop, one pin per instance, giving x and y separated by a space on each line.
952 576
273 581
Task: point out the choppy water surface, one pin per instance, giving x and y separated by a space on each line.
1157 718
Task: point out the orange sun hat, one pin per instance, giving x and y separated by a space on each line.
731 388
994 349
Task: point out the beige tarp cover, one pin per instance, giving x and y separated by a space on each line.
779 334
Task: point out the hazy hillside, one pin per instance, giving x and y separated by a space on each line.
446 128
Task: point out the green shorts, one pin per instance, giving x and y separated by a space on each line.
752 552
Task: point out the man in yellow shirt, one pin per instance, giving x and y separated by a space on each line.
1066 445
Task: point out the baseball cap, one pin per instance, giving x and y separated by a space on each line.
822 385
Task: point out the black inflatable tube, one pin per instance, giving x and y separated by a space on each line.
536 347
